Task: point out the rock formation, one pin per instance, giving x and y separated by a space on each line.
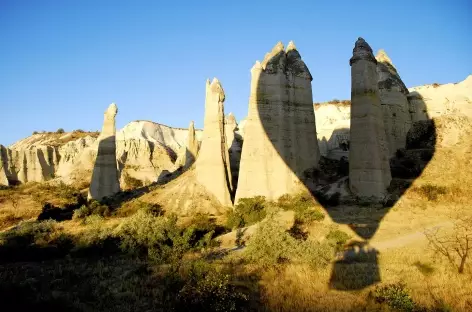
333 120
280 143
434 100
395 106
234 145
3 166
105 179
369 169
188 153
212 165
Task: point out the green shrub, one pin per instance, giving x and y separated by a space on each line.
60 131
131 207
207 289
337 239
396 296
27 233
304 205
92 208
272 244
431 191
158 238
247 212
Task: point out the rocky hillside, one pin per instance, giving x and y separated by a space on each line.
144 150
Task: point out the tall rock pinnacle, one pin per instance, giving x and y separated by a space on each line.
280 143
3 166
395 105
105 180
188 153
369 169
212 164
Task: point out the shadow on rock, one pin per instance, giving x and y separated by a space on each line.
280 117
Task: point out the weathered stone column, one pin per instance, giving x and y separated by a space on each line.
3 166
188 153
369 169
280 144
395 105
212 164
105 177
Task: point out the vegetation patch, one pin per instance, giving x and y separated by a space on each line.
272 244
396 296
247 212
430 191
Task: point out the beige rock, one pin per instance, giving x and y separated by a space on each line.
369 169
105 179
280 142
333 121
212 164
395 106
188 153
3 166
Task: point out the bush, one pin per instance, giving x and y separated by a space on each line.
304 206
92 208
337 239
431 191
28 232
158 238
396 296
207 289
248 211
271 244
35 132
60 130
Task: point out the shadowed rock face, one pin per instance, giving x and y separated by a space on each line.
395 106
212 164
369 169
280 144
105 177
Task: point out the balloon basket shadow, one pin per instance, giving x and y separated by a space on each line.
356 268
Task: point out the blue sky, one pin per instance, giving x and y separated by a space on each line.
63 62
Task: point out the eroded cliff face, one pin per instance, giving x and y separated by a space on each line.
143 150
424 102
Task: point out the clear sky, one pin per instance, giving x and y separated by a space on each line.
63 62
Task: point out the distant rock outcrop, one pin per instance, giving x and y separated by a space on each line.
105 180
369 168
280 143
188 153
395 106
212 165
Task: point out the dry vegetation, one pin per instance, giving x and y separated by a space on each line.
132 256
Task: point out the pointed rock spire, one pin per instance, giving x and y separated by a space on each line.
279 144
362 51
105 181
291 46
369 169
212 164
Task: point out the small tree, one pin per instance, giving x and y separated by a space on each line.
60 130
455 246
